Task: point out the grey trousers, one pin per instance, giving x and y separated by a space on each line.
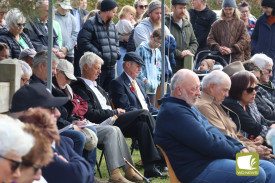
115 146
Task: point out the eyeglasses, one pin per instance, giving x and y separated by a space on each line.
250 89
15 164
269 70
19 25
35 169
143 6
244 12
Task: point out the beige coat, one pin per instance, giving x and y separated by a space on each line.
232 34
217 117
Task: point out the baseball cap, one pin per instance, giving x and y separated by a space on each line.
65 4
67 67
35 95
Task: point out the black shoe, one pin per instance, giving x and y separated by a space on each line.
154 172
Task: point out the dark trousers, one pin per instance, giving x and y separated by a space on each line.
105 78
70 59
140 124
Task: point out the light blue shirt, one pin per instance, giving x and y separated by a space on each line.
77 17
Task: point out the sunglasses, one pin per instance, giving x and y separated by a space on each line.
250 89
15 164
143 6
19 25
35 169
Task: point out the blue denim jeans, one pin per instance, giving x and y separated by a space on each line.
79 144
224 170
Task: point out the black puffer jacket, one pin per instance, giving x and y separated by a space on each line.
94 37
265 106
201 22
14 46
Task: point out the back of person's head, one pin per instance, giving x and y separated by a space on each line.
41 153
239 82
217 77
26 69
92 13
13 17
43 121
40 3
89 58
125 11
157 34
12 137
251 66
98 5
262 60
42 57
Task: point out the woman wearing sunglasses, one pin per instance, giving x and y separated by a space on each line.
40 155
14 37
240 106
14 143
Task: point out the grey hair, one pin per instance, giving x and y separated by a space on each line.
137 2
262 60
216 77
89 58
41 2
42 57
13 139
26 69
14 16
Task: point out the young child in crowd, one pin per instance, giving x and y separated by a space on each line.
206 66
151 72
124 27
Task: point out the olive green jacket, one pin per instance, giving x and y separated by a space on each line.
185 37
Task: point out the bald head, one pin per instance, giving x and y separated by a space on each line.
185 85
216 84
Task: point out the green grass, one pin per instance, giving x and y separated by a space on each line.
137 161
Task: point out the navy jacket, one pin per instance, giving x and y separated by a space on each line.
8 38
263 37
123 97
189 140
77 170
94 37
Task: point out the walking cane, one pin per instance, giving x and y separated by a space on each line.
144 178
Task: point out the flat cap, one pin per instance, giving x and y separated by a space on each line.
233 68
133 56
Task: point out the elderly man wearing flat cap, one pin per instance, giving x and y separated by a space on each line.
183 32
100 36
137 124
121 88
149 24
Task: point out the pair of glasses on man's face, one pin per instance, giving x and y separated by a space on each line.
143 6
15 164
250 89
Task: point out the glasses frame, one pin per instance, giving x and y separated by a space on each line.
250 89
35 169
19 25
17 163
143 6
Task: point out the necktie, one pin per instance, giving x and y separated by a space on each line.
139 95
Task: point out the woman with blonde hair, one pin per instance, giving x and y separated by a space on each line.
229 35
124 27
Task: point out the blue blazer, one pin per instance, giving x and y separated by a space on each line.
76 170
122 96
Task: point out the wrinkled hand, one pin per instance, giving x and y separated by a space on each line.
61 157
244 150
186 52
60 55
64 50
264 152
259 140
120 111
224 50
55 50
76 128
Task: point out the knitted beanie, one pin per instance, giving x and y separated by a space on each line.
210 63
229 3
153 5
107 5
184 2
268 3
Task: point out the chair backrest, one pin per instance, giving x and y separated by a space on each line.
172 175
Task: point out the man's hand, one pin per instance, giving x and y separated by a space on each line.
259 140
120 111
186 52
61 157
64 50
60 55
244 150
55 50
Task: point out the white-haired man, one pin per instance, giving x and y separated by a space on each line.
202 150
136 124
216 86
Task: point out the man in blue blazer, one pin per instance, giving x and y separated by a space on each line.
124 93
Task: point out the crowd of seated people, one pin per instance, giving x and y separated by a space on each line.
200 125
